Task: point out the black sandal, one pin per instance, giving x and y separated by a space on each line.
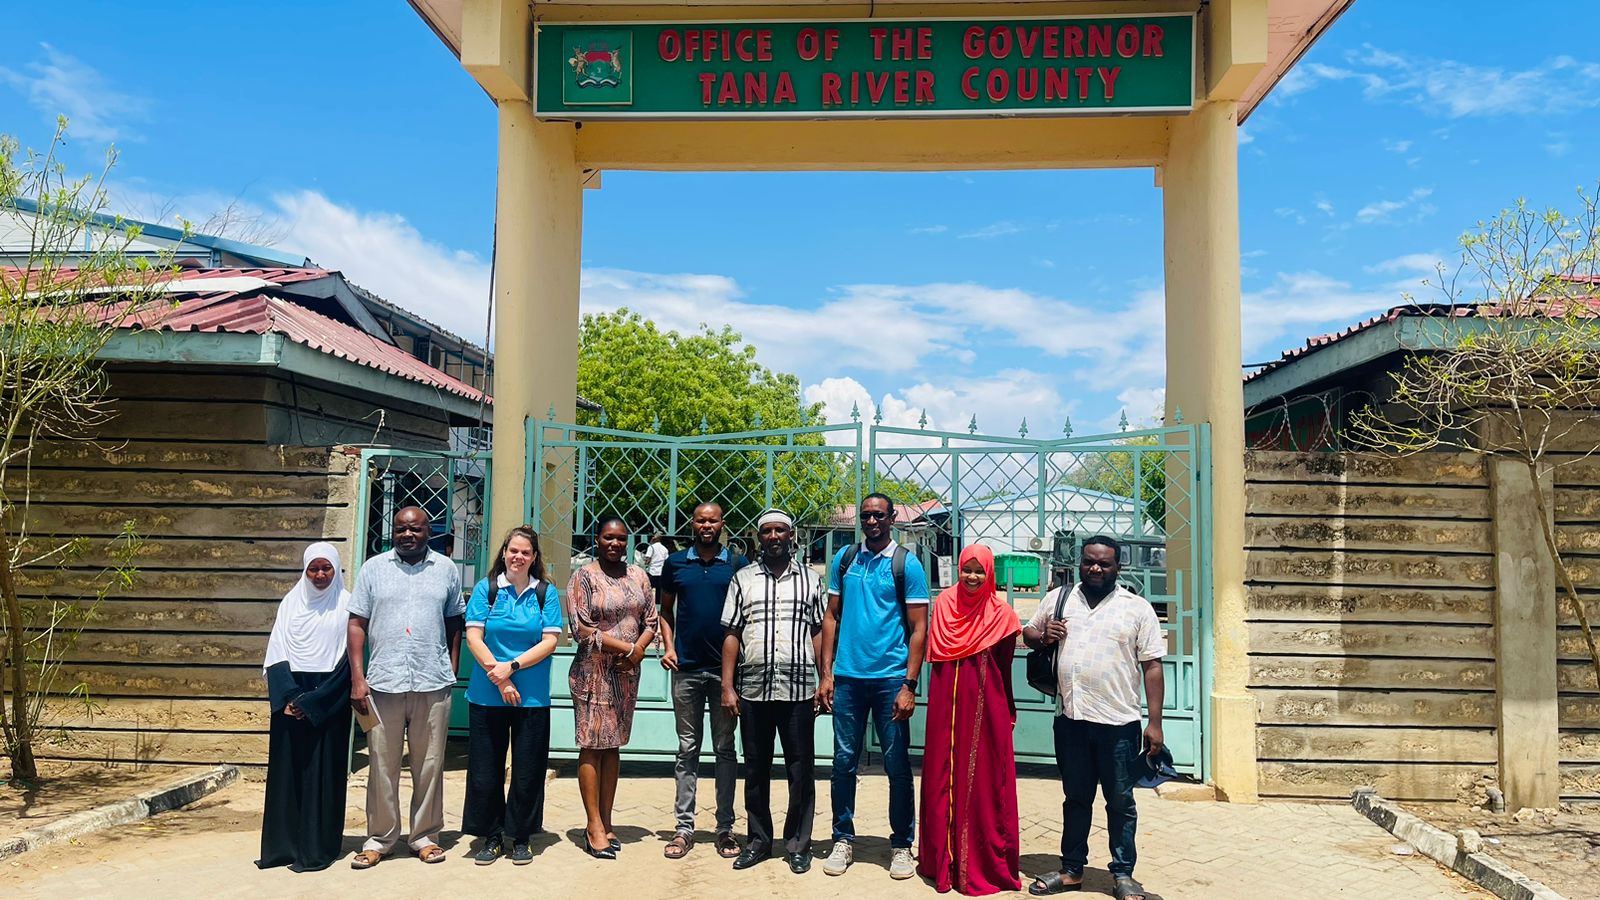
1125 888
1053 883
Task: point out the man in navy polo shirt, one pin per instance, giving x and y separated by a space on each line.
694 585
872 643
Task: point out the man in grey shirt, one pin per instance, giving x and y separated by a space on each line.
407 604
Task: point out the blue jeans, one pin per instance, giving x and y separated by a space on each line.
1090 755
853 699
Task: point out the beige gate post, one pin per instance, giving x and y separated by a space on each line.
1201 202
538 233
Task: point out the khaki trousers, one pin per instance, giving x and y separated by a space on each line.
422 720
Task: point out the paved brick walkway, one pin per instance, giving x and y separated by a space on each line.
1187 850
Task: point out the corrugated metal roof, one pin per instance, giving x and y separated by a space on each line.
1551 307
262 314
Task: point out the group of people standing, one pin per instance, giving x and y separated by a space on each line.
763 647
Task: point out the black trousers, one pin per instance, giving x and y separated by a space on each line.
490 811
793 723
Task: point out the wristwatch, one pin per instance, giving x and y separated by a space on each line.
515 665
910 683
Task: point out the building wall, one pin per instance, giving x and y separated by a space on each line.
1372 617
214 473
1371 587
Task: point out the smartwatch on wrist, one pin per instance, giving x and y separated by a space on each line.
515 665
910 683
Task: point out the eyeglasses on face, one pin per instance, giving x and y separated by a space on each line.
874 514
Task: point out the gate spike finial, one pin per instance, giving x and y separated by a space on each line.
552 414
877 414
655 423
1023 431
855 412
705 427
757 421
923 421
1066 428
1122 423
972 426
1177 415
603 420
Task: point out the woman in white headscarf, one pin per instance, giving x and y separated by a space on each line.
308 684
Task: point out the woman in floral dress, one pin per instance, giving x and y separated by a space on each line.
613 621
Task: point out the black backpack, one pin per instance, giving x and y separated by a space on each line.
897 568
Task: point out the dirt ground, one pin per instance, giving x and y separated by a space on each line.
1562 849
65 788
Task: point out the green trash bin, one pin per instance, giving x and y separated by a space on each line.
1020 569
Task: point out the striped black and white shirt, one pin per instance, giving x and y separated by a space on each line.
775 616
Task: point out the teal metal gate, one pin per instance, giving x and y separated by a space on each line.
579 475
1033 502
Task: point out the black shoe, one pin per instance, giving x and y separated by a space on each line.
799 863
615 845
492 850
603 853
520 854
751 856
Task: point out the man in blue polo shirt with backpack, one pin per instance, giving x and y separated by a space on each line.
873 635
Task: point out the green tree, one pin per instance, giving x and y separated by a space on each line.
57 313
1122 472
706 382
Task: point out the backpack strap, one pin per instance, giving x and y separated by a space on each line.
540 588
897 568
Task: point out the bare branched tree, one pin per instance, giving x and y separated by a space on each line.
57 313
1515 369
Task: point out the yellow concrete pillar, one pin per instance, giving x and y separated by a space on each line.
1201 199
538 232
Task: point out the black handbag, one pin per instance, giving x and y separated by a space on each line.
1042 662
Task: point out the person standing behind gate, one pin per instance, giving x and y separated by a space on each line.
872 642
1108 637
407 604
513 623
773 621
693 586
655 558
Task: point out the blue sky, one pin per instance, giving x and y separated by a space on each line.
352 135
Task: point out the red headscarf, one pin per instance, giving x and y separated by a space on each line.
965 622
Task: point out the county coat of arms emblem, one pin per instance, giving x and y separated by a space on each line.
600 71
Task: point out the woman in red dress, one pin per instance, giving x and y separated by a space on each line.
969 770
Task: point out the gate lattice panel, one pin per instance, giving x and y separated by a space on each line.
1033 502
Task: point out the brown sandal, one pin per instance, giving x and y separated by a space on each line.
679 846
433 853
365 859
727 847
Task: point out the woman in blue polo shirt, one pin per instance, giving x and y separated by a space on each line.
513 621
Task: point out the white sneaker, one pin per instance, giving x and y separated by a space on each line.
901 865
844 853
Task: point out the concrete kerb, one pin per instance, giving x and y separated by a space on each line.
140 806
1444 848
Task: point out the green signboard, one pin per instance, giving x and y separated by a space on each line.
1102 65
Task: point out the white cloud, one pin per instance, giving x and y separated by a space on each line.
1396 146
386 254
1324 206
1408 264
1246 136
1456 89
62 85
994 230
929 229
1383 210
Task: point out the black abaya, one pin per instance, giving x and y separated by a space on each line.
302 826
